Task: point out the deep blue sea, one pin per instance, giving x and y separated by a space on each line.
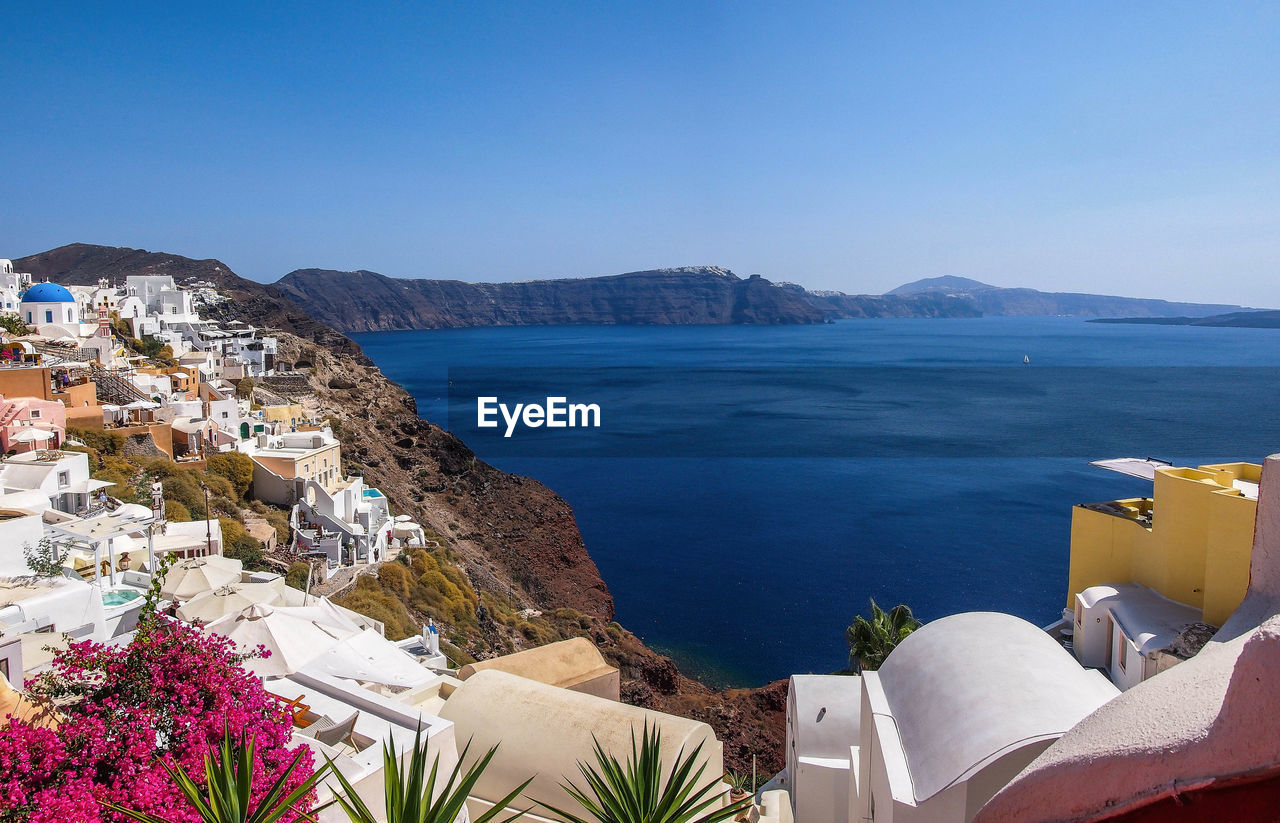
750 488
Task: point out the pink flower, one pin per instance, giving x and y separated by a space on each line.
167 696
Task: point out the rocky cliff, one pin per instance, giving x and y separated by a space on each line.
367 301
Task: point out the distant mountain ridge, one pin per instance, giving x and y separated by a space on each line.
368 301
947 284
988 300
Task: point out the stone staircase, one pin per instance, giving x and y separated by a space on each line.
114 389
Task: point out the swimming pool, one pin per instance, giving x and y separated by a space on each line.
119 597
372 493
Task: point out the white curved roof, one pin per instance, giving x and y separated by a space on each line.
969 688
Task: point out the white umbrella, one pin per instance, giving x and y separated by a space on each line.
292 635
109 407
143 405
403 518
370 657
131 511
66 339
191 577
72 364
232 599
31 435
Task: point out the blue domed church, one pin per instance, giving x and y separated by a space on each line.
50 309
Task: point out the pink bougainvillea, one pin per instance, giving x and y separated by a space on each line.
167 696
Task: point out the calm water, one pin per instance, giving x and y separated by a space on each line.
745 566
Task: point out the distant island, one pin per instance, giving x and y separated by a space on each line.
1234 320
368 301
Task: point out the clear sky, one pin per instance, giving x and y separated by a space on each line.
1128 148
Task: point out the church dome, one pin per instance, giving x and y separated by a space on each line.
47 293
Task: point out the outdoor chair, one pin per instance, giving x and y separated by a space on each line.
332 732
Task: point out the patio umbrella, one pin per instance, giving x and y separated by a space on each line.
403 518
370 657
143 405
66 339
72 364
292 635
31 435
196 575
231 599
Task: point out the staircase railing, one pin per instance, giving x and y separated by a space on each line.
112 388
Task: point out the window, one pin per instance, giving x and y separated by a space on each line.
64 479
48 315
1124 651
35 414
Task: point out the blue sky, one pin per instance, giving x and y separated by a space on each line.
1120 148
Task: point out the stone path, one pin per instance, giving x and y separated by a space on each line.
343 579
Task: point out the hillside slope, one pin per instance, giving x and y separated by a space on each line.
368 301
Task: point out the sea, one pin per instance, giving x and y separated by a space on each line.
750 489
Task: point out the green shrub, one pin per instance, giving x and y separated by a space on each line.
175 511
297 575
396 579
100 441
240 545
236 468
369 598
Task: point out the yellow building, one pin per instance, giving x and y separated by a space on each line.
283 464
289 415
1189 542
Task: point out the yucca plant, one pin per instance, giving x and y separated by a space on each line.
636 792
737 782
228 793
408 797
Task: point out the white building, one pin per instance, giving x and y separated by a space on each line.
958 709
12 285
162 299
1129 631
357 515
51 310
61 476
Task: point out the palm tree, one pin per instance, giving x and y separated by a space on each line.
870 641
408 798
228 796
635 793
